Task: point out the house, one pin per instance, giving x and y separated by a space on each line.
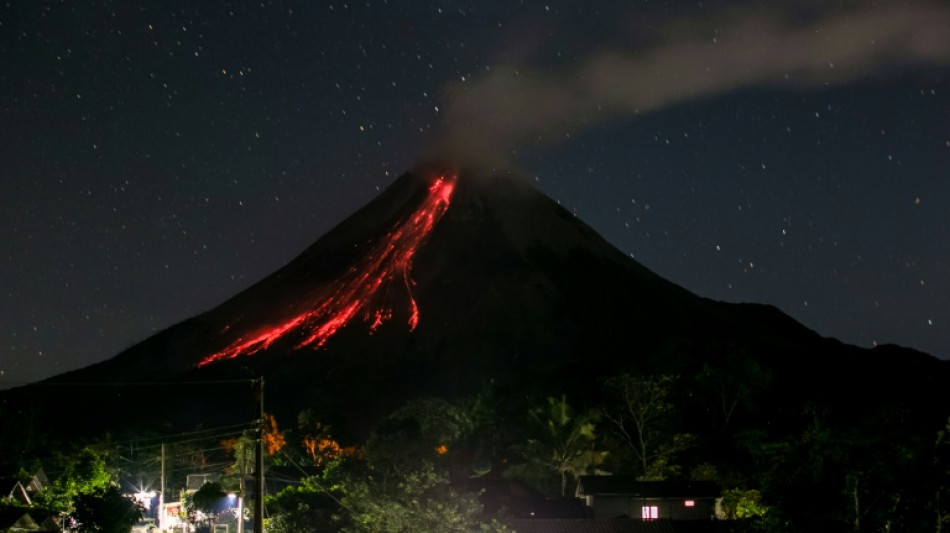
193 482
18 520
23 492
582 525
19 494
20 515
626 496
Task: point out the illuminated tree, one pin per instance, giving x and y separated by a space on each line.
274 440
738 503
84 473
244 448
317 441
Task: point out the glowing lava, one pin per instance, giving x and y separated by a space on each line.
366 290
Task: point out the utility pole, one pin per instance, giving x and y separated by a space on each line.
161 495
243 490
259 462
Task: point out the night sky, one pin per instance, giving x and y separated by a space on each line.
159 157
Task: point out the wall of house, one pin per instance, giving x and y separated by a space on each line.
607 506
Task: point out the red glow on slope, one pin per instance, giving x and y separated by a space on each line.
365 290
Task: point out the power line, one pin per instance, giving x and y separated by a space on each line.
235 430
125 383
169 439
315 482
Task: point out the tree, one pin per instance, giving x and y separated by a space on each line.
274 440
941 470
738 503
737 379
641 419
420 501
105 510
422 430
210 499
317 441
564 441
304 508
84 473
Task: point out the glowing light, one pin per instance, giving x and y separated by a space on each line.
367 290
690 503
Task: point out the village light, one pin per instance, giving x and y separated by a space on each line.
144 498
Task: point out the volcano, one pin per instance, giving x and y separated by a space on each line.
447 280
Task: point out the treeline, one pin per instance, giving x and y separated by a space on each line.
786 459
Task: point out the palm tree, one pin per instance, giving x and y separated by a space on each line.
565 440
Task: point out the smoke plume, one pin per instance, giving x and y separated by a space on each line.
489 118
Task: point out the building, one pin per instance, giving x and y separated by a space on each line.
626 496
23 492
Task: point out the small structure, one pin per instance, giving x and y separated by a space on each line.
15 519
23 492
626 496
563 525
193 482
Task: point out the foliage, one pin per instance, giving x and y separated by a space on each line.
274 440
738 503
86 473
105 510
400 483
735 380
317 441
243 449
310 506
420 431
941 469
420 501
563 443
642 417
208 498
306 508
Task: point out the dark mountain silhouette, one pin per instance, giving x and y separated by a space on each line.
435 291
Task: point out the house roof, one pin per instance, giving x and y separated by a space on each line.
16 519
19 493
590 526
618 525
631 486
38 482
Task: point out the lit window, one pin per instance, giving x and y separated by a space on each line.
689 503
649 512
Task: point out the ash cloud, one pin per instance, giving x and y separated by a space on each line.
490 118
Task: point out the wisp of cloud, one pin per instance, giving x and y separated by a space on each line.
489 118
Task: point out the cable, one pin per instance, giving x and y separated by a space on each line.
319 486
195 432
126 383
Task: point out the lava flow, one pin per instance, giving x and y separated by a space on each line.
366 290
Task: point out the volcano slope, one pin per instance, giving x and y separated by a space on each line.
442 283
